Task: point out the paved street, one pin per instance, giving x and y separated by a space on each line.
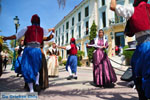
62 89
82 89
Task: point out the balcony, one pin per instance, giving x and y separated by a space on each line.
116 20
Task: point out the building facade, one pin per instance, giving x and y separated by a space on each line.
78 22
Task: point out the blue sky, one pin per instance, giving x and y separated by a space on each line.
48 10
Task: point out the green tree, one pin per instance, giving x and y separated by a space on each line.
80 54
12 43
93 31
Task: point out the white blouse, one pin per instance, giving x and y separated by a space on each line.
22 32
127 12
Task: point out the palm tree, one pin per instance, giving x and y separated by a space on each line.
61 3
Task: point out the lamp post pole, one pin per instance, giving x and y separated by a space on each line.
16 21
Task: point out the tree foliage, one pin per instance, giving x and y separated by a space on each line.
12 43
80 54
93 31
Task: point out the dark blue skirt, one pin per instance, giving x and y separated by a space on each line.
72 62
141 65
31 63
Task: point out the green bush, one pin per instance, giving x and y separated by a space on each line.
80 54
64 63
127 54
59 58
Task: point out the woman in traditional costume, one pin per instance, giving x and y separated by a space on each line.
53 64
103 73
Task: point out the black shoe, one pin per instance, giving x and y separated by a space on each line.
70 77
17 75
37 88
76 77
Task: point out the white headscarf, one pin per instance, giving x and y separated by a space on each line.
97 38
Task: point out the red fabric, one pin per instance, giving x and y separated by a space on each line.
140 21
34 34
73 50
35 19
72 39
137 0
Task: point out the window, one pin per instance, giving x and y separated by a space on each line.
59 31
67 25
59 41
87 28
67 38
104 19
72 33
86 11
56 33
63 28
73 21
63 40
56 40
79 16
62 53
103 2
79 30
118 19
79 46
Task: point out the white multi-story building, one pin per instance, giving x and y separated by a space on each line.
77 24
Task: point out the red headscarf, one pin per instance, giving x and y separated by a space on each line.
72 40
35 19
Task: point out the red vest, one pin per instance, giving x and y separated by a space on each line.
34 34
73 50
140 20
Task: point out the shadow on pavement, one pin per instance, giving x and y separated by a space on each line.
11 84
91 92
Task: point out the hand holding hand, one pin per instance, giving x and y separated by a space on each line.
104 47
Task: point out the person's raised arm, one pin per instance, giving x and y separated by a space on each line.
50 36
113 5
61 47
9 37
51 29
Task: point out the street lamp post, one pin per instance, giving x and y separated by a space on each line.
16 22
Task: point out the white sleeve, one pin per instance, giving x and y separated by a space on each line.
21 33
68 47
17 47
45 31
124 11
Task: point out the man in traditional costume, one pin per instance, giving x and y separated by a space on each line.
71 65
32 56
138 17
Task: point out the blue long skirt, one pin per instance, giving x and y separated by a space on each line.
72 62
141 65
31 63
18 65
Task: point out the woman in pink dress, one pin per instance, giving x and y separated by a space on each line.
103 73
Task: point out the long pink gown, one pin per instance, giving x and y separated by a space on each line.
103 73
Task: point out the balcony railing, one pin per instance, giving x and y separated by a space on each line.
116 20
